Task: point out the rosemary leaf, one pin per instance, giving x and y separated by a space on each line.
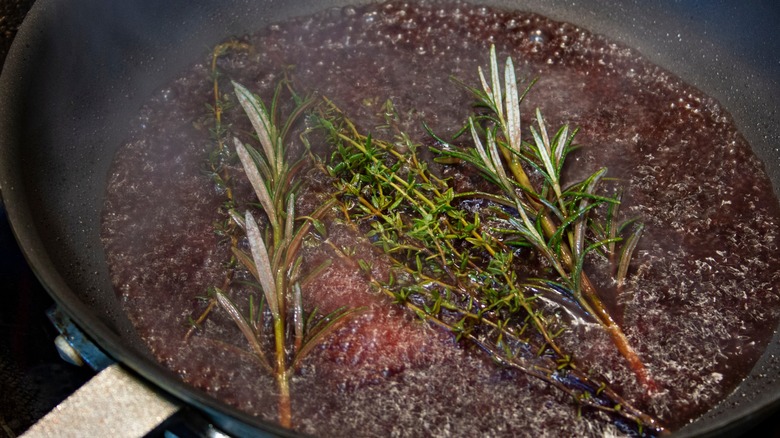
627 251
512 108
498 97
327 325
246 260
253 175
243 325
262 261
258 116
298 316
486 162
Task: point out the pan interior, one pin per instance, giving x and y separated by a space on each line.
62 124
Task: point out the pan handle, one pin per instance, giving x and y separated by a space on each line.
113 403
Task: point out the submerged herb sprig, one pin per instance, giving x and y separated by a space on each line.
278 330
274 258
217 168
459 268
553 219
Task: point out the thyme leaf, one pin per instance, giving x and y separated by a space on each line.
461 275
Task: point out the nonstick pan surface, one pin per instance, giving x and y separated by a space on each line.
80 70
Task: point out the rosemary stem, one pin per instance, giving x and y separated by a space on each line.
285 402
618 336
591 302
282 376
588 297
517 169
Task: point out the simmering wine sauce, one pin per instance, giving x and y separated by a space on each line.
700 306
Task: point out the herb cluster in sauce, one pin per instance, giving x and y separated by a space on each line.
698 308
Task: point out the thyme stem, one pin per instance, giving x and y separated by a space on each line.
462 276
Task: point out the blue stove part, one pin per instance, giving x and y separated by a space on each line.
73 345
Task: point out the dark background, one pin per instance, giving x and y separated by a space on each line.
33 379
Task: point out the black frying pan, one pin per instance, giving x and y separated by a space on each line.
80 69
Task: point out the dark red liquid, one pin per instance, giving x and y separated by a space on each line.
700 307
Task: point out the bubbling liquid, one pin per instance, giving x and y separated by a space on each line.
699 308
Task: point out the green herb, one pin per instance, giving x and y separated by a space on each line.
278 330
274 258
461 268
217 168
561 216
482 265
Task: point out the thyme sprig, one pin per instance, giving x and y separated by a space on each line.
459 269
217 165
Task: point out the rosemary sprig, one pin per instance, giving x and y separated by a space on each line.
278 319
555 220
458 269
274 258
